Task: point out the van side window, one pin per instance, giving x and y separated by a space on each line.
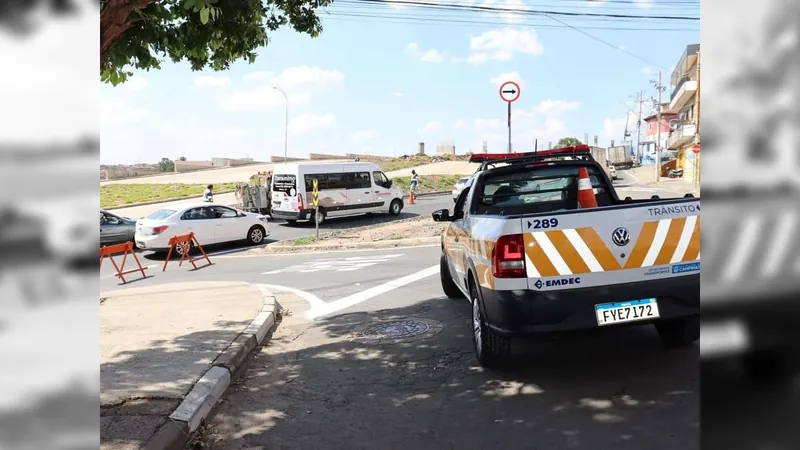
321 183
358 180
380 179
334 181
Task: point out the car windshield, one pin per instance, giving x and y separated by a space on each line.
532 189
161 214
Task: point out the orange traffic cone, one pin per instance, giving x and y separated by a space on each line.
586 197
411 198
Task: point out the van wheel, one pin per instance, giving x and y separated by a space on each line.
448 285
319 217
491 349
395 207
256 235
679 332
291 222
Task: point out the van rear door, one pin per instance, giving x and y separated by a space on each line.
284 192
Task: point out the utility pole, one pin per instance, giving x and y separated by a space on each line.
640 100
660 88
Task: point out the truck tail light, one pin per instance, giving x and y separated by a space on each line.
300 204
508 257
160 229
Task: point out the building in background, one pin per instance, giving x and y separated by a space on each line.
649 141
446 149
685 104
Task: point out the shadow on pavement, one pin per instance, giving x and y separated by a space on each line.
227 248
325 382
339 223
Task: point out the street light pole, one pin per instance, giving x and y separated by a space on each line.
286 125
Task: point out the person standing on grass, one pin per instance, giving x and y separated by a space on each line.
209 193
414 181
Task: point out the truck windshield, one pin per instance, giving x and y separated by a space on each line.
534 189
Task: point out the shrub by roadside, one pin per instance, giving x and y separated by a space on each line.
115 195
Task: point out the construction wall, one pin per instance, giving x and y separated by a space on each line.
280 159
323 156
231 162
189 166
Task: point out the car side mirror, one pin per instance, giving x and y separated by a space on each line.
442 215
389 183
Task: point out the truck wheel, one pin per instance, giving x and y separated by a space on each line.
395 207
677 333
448 285
771 366
491 350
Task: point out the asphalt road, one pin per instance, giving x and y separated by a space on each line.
325 381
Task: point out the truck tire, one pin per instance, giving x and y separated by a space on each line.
491 349
448 285
678 333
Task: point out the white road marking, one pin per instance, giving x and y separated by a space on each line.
313 301
360 297
333 264
312 252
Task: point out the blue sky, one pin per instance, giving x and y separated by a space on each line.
381 84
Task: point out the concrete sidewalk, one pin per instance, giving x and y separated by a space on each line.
168 353
646 176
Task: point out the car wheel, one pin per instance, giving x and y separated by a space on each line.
291 222
491 349
256 235
677 333
395 207
448 285
319 216
183 248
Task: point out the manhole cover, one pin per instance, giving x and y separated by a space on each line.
396 330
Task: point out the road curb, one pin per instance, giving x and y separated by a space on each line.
187 418
430 194
387 243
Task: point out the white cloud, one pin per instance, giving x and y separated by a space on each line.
502 45
310 122
459 124
116 112
300 83
135 83
211 82
363 135
614 127
644 4
398 94
545 122
431 56
233 133
507 76
647 70
430 127
509 17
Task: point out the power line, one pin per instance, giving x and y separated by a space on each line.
427 19
456 7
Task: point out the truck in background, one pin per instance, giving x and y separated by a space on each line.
619 156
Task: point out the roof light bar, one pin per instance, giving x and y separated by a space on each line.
565 151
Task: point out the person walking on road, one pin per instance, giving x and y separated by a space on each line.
209 193
414 181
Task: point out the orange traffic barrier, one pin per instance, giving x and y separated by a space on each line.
185 242
110 250
411 198
586 197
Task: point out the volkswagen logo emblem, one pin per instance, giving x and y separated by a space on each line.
621 237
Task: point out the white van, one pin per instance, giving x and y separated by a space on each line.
345 189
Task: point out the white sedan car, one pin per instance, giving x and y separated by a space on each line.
211 224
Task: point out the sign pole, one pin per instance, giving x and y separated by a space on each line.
509 93
315 199
509 127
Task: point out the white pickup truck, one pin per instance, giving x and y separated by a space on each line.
530 261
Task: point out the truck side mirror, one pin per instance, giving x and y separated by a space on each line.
441 215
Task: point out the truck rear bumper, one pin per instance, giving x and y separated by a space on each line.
526 312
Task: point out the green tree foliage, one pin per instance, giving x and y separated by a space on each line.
166 165
205 33
568 142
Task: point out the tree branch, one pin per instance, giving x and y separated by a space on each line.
115 21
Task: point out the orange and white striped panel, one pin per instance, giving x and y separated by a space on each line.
582 250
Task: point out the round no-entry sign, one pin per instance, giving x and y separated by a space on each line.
509 91
696 148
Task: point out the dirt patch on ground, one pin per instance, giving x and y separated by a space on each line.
418 229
